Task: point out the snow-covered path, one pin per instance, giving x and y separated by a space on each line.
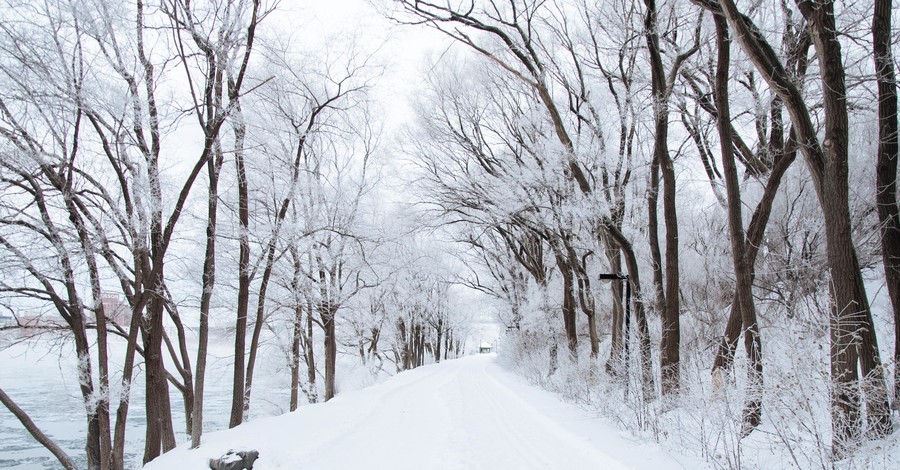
460 414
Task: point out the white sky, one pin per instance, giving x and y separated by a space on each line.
403 50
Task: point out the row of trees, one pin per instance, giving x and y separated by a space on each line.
554 149
112 118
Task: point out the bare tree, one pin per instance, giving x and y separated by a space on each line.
886 167
742 271
853 340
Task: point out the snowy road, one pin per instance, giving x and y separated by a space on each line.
461 414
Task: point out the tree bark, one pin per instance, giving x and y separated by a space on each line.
743 272
853 324
616 364
670 344
643 329
330 350
295 357
258 324
656 260
214 167
310 355
886 168
243 298
569 305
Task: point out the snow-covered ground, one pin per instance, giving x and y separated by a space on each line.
460 414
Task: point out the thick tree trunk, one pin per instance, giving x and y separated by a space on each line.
670 343
853 327
101 406
670 359
886 168
755 232
160 434
784 154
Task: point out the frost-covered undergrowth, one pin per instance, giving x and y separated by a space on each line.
704 420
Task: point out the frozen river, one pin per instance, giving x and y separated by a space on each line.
39 376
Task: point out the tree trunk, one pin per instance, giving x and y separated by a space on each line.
853 327
755 232
160 434
330 350
243 299
118 459
743 272
214 167
295 357
653 236
311 356
437 344
886 168
82 351
784 154
670 344
643 329
616 364
258 325
569 306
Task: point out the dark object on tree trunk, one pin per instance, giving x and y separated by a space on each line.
241 460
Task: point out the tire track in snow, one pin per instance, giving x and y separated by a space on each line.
538 441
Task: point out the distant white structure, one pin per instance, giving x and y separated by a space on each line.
6 320
115 309
483 334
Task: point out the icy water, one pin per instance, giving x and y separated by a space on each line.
39 376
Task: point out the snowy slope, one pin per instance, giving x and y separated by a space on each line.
460 414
